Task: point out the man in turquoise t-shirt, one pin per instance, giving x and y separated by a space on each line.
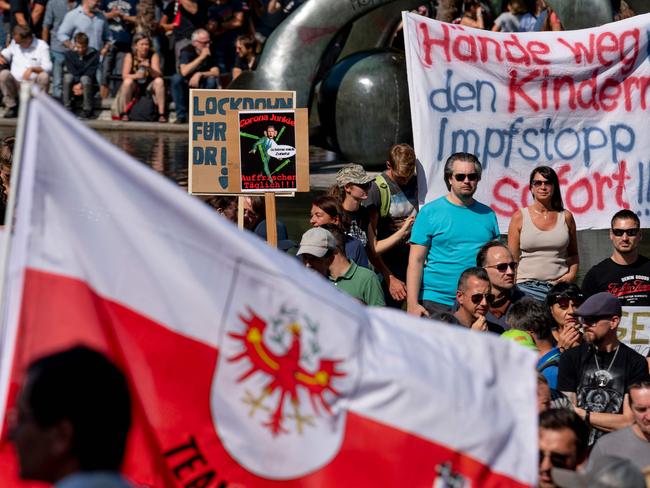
447 234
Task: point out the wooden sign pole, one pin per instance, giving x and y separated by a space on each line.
271 221
240 212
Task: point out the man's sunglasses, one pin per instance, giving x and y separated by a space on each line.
557 460
462 176
630 232
503 267
478 298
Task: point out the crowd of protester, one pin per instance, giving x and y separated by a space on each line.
369 237
141 52
455 268
145 53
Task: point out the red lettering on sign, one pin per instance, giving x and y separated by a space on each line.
580 196
496 193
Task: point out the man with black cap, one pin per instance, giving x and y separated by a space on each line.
596 374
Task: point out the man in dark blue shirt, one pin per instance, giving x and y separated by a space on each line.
81 64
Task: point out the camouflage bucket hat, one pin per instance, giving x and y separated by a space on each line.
352 173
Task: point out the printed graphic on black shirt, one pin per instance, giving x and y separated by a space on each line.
602 387
630 283
357 232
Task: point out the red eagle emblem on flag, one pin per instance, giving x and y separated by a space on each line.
285 375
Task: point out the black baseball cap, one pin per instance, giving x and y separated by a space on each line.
602 304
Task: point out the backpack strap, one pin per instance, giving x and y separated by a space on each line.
384 195
552 361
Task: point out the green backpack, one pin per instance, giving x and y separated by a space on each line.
384 195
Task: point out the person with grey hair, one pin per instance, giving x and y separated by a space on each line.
474 296
28 59
196 69
446 236
532 316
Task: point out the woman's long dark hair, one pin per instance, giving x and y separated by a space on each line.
332 207
551 176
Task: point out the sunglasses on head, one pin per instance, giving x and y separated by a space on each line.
557 460
564 301
462 176
538 183
478 298
630 232
503 267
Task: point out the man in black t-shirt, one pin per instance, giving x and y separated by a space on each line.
626 275
197 69
182 18
225 23
596 374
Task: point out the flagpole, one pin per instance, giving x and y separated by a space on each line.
25 96
6 350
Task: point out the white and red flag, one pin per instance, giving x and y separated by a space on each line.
246 369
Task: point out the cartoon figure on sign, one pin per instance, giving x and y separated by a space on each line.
266 146
286 373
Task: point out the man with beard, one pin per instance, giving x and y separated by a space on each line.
596 374
496 258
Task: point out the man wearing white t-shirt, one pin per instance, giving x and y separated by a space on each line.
30 61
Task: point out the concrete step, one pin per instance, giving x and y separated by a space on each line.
102 108
102 120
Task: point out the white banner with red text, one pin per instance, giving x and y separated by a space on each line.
578 101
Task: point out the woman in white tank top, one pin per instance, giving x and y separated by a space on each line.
542 237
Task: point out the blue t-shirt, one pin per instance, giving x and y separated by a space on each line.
453 234
550 372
